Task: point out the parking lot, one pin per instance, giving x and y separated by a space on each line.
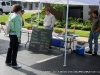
51 64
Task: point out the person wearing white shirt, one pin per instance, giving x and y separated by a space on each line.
49 21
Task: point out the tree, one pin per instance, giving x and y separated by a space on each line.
58 7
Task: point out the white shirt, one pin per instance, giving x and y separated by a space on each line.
49 20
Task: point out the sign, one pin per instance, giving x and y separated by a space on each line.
40 40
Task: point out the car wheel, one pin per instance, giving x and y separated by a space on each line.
1 13
6 13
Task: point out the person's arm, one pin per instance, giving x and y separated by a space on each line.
18 27
53 21
98 29
44 21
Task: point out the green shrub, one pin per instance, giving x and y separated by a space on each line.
88 23
43 10
70 19
75 23
77 26
58 7
57 22
59 26
35 18
80 20
86 28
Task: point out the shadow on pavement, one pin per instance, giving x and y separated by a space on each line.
74 63
26 72
51 52
4 44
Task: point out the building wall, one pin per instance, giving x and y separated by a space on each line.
86 15
87 12
28 6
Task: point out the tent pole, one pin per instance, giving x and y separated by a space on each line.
11 5
66 32
99 9
38 15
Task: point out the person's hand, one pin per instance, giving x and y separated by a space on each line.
19 40
96 31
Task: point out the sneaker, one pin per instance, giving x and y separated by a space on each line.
8 64
16 67
94 54
89 52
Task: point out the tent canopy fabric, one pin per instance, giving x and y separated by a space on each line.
71 2
10 0
30 0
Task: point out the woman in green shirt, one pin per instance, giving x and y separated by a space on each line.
14 35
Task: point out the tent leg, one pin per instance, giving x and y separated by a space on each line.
38 15
66 32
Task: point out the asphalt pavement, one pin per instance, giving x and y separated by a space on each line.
51 64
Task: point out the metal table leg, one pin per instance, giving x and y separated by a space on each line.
73 44
27 40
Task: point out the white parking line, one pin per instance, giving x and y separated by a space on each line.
48 59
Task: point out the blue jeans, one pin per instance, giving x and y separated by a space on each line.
93 36
49 28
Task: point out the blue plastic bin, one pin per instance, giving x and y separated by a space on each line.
57 42
80 49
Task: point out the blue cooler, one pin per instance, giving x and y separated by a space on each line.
80 49
57 42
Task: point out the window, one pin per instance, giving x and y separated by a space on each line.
36 4
8 3
25 4
16 2
3 4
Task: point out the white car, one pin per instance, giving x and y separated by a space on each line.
6 6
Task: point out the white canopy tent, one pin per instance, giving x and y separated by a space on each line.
30 0
68 2
10 0
71 2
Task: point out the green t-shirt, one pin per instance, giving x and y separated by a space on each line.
95 24
15 24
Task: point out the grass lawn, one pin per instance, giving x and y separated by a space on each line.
78 32
4 18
